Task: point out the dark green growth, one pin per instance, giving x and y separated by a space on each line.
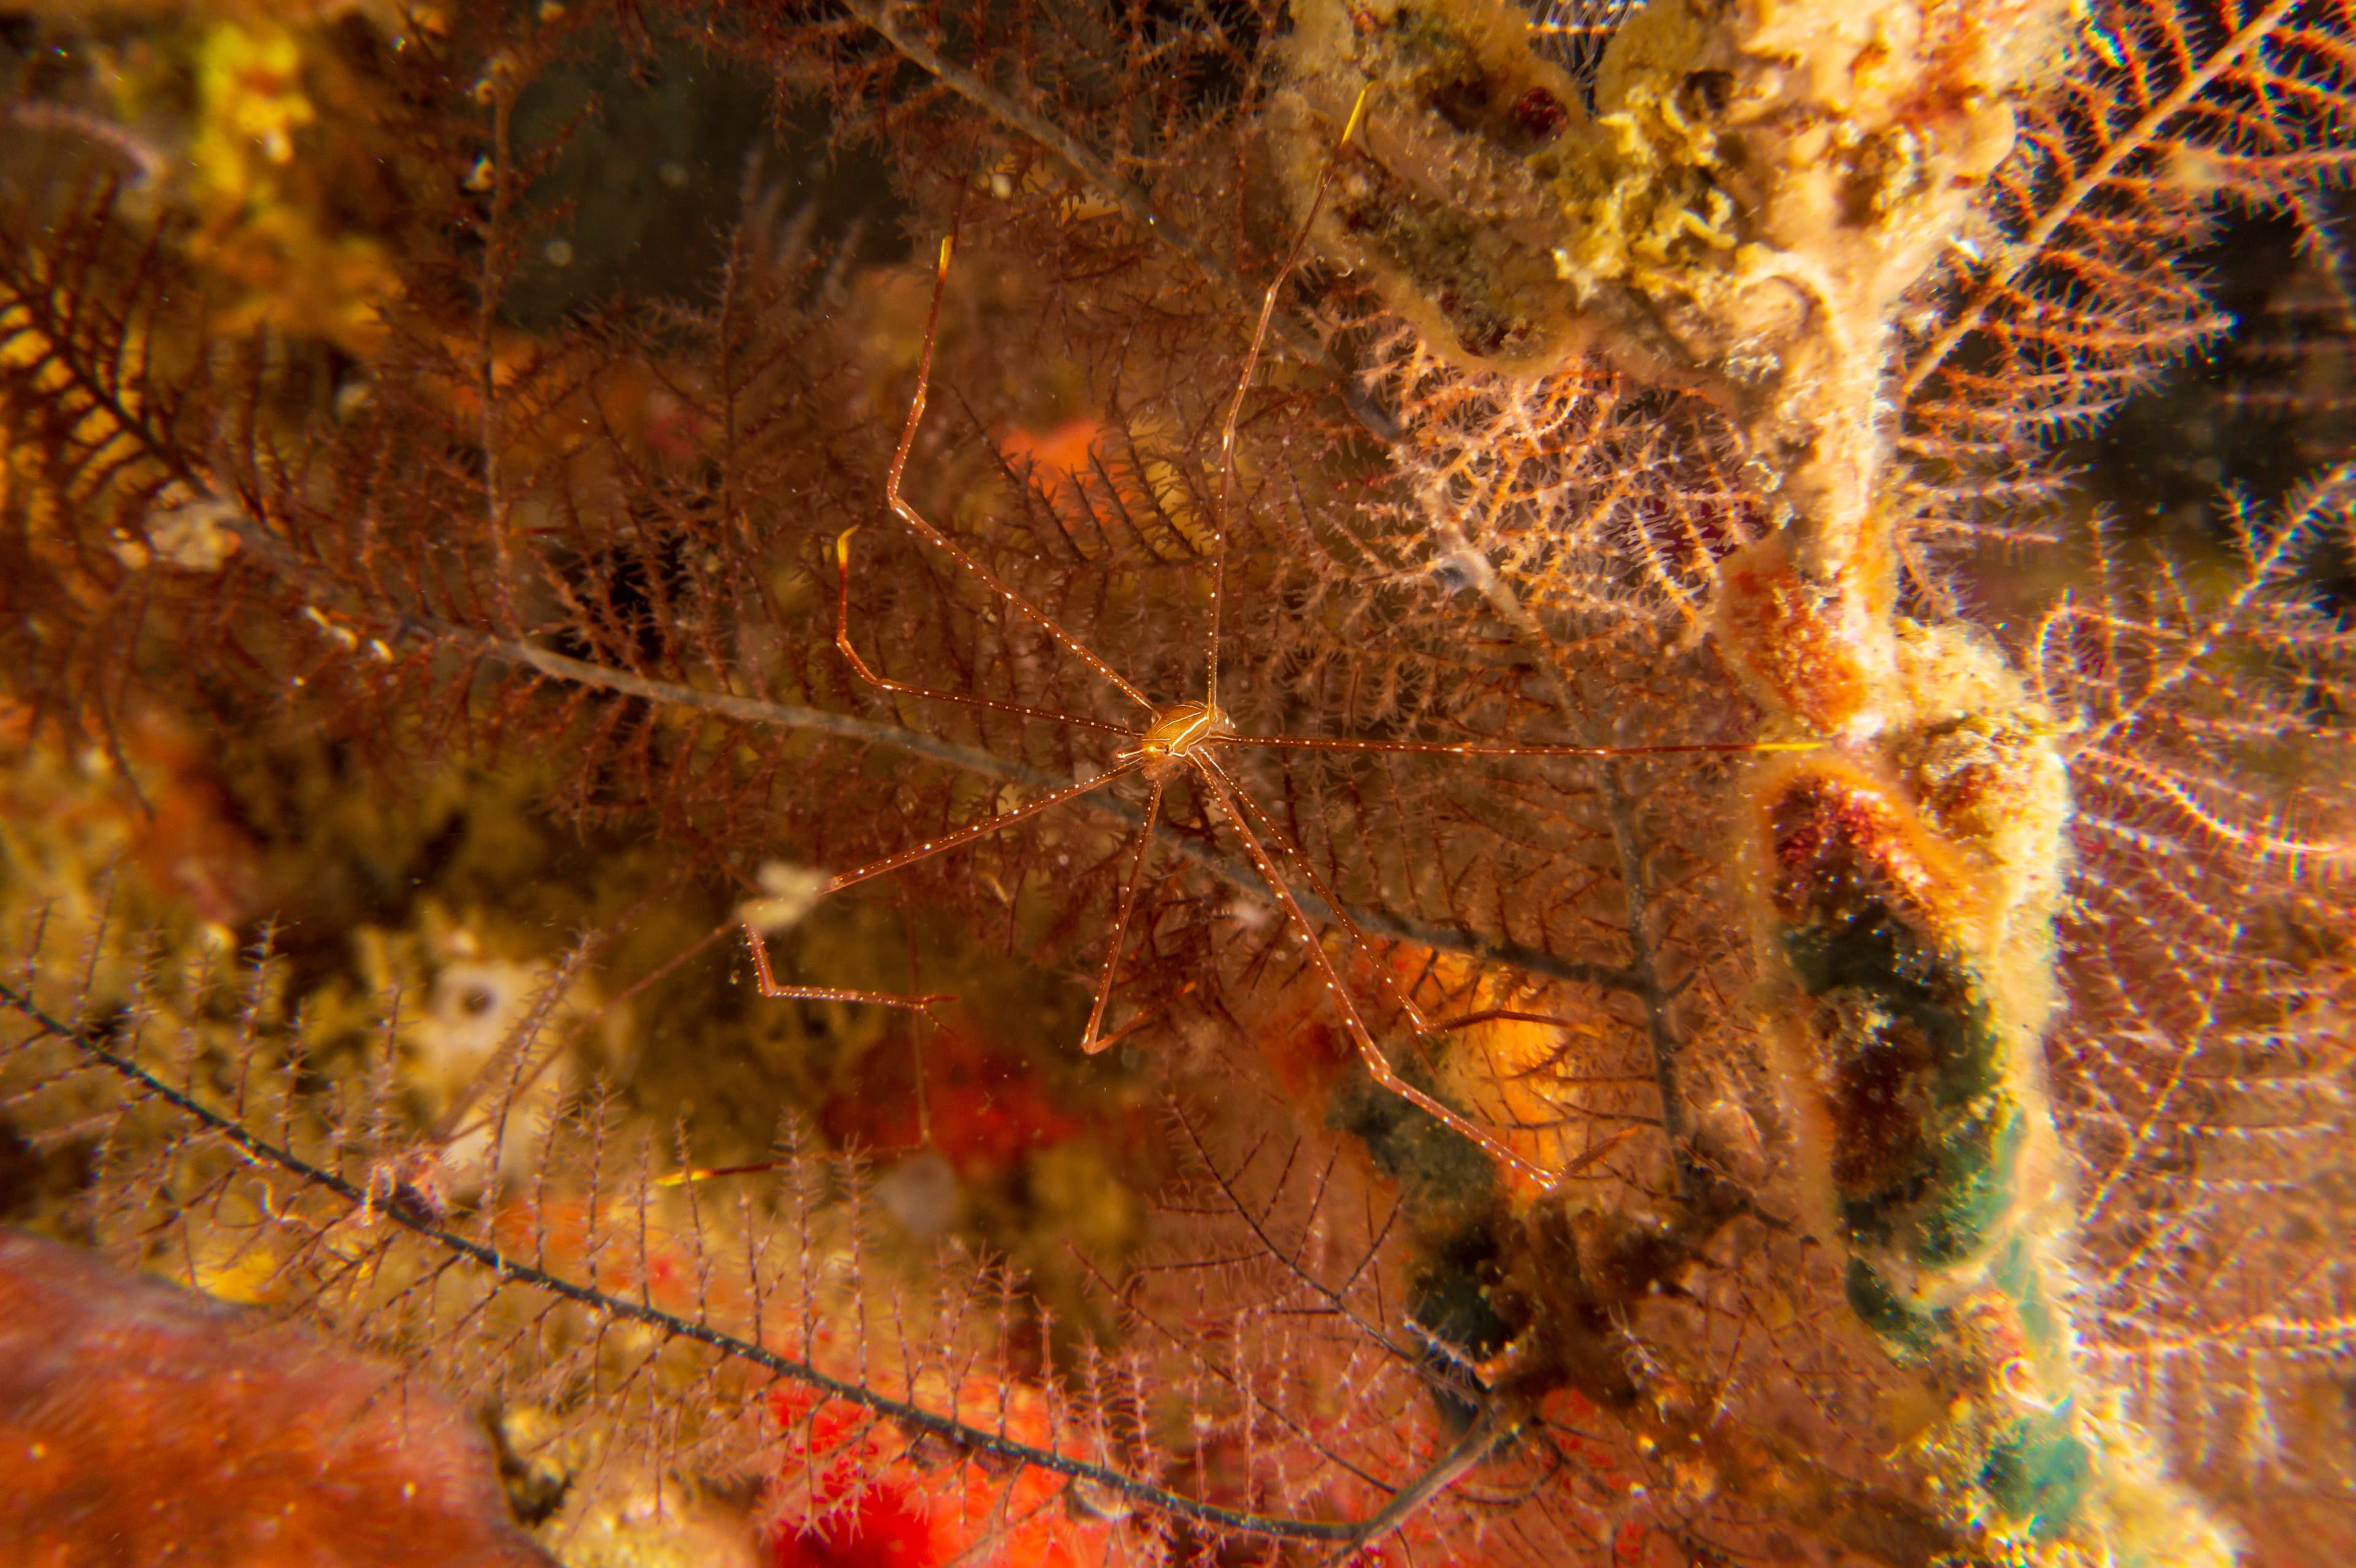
1452 1192
1929 1124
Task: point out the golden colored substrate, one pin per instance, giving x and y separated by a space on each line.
1756 188
1904 890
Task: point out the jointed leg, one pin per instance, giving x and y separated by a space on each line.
1225 791
1383 978
981 829
1399 993
1090 1042
1508 749
767 977
1243 388
1340 914
763 976
882 682
941 541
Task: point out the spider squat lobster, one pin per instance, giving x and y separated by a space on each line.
1182 739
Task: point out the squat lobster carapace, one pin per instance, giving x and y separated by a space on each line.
1181 740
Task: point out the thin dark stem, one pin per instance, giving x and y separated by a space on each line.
1499 1418
1636 891
506 1267
1336 1301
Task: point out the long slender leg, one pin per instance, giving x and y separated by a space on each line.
767 980
908 857
882 682
1089 1041
1243 388
941 541
1485 749
1224 790
1333 903
981 829
1389 983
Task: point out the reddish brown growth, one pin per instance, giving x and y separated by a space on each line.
1841 840
1539 113
982 1106
851 1493
1788 636
140 1422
